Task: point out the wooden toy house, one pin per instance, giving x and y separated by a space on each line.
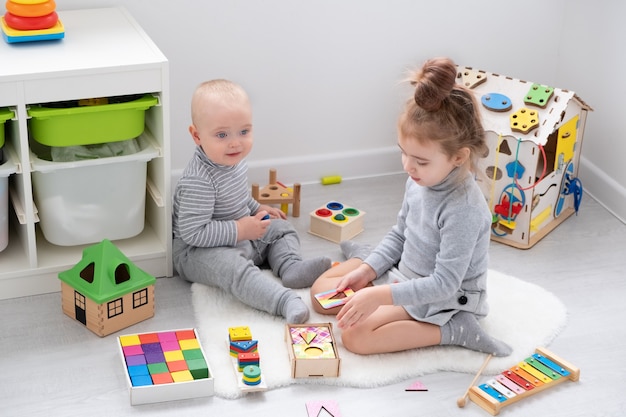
105 291
534 134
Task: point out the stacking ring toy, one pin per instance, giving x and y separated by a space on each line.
31 10
31 23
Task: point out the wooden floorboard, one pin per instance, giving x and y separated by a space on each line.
51 365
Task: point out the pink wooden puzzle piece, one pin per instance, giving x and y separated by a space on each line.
417 386
323 408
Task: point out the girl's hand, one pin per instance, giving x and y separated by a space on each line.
275 213
357 279
362 304
252 227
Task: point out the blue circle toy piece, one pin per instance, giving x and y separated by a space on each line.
496 102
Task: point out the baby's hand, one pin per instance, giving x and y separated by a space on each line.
252 227
273 212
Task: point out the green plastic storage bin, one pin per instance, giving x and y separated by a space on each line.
89 125
5 114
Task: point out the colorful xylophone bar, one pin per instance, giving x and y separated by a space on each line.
536 373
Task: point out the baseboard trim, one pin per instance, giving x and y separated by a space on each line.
386 161
602 188
310 169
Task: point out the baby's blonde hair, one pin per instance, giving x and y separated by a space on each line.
443 111
219 90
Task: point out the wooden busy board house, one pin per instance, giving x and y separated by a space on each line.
534 134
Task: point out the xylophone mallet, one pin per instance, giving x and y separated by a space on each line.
462 400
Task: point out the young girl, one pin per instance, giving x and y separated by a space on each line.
433 262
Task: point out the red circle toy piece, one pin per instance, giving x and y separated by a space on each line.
31 23
30 10
323 212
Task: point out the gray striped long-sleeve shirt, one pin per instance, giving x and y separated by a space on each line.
208 199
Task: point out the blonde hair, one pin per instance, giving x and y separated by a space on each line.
219 90
443 111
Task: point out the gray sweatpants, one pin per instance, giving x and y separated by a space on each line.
236 269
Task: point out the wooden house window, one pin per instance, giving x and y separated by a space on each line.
79 300
140 298
115 308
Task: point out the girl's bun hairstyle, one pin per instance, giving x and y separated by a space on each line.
434 83
444 111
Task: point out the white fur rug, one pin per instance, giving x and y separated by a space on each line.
522 314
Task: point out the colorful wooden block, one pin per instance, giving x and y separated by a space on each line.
182 376
163 378
173 355
186 335
336 222
239 333
187 344
159 372
192 354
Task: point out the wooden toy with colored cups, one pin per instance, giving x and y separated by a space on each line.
336 222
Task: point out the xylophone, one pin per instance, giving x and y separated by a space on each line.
536 373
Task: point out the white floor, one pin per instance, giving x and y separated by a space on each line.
51 365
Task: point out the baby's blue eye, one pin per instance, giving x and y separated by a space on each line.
245 132
221 135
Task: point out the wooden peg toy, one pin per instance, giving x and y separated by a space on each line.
277 193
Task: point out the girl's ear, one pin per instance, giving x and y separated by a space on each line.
462 156
194 134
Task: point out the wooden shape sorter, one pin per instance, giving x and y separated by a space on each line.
336 222
534 136
540 371
312 350
165 366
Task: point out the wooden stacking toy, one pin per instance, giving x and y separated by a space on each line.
246 359
31 20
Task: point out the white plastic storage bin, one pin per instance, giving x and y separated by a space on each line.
6 169
86 201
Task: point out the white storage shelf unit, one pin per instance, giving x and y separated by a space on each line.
104 53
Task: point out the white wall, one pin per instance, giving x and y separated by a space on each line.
592 62
324 76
